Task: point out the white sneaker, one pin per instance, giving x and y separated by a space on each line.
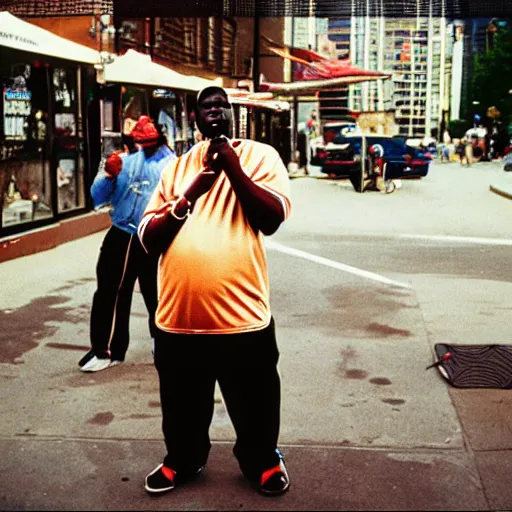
95 365
116 363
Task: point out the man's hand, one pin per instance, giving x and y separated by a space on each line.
113 165
221 155
202 183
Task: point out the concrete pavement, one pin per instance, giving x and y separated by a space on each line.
502 181
75 441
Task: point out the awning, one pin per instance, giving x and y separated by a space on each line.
313 86
315 72
257 99
21 35
138 68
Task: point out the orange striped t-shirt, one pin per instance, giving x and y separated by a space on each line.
213 278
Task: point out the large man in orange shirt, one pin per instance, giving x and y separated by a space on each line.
207 217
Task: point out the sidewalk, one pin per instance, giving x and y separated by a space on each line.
502 182
75 441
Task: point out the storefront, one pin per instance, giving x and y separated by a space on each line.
133 85
44 150
259 117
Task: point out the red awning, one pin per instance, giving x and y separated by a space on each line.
330 68
290 52
314 72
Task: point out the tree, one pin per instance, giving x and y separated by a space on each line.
458 128
492 78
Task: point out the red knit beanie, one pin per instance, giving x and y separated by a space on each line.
145 132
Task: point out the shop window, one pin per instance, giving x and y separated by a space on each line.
166 108
68 144
25 188
169 111
134 104
244 120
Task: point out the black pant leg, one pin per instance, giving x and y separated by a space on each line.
187 386
110 270
147 269
120 338
250 384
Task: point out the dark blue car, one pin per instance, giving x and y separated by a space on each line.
341 157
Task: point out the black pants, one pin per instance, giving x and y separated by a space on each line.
245 366
121 261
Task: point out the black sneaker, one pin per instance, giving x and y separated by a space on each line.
162 480
275 480
157 482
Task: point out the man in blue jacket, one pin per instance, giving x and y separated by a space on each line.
126 184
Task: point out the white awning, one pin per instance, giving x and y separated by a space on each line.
21 35
256 99
138 68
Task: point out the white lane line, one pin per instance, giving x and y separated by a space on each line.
333 264
460 239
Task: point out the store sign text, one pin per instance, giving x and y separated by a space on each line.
16 38
11 95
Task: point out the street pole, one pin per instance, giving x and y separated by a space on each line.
256 52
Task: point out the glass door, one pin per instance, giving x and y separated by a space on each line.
68 139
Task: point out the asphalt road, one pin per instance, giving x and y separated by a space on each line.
370 282
362 288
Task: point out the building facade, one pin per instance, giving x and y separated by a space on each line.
418 53
51 129
416 50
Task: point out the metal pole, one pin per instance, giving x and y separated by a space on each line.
256 52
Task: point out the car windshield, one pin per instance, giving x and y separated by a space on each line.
334 132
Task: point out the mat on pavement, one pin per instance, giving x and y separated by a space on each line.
475 366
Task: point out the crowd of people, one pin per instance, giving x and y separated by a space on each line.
198 223
477 144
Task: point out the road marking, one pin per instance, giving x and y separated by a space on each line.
460 239
333 264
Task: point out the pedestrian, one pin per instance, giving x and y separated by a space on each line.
468 149
126 184
445 146
460 150
374 176
312 125
207 219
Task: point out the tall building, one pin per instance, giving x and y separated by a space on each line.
474 41
417 52
334 103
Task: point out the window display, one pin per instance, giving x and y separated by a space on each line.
25 191
67 142
134 104
17 106
169 110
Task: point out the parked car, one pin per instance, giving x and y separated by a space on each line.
341 157
330 131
